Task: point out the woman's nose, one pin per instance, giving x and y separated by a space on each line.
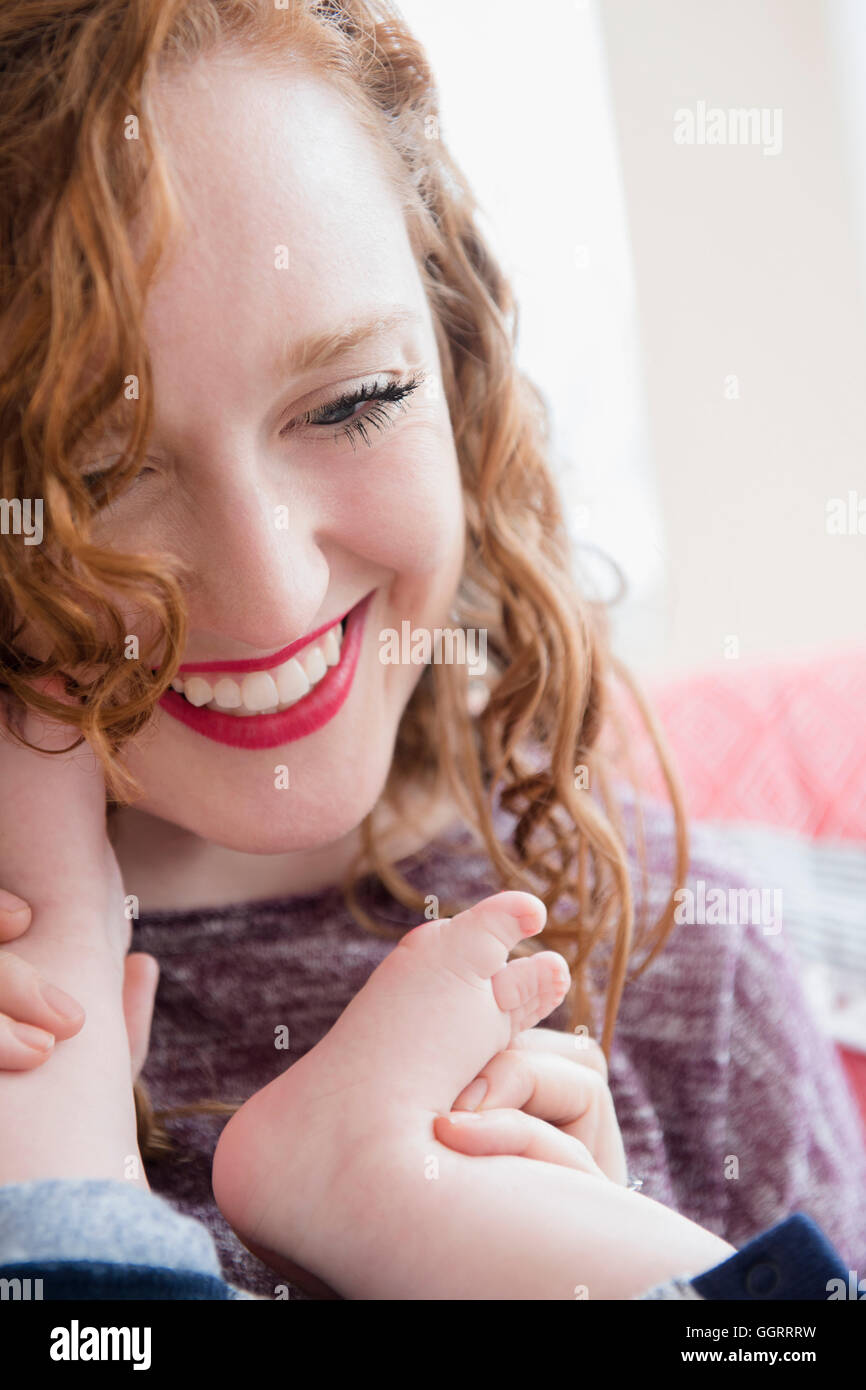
260 576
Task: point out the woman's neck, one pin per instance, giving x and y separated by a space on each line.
167 867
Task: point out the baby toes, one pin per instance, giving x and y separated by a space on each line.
477 942
530 988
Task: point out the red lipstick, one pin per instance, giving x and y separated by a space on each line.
262 663
310 713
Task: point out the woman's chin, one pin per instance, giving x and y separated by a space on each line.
278 840
280 822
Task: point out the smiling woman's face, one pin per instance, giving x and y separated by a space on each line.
290 503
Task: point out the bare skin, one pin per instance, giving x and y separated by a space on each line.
333 1169
77 941
361 1124
265 163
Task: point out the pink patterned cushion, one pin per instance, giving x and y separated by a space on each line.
784 744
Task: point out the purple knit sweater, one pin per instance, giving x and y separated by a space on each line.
715 1056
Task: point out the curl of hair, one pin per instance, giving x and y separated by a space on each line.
72 294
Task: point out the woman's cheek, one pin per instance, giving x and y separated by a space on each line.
409 517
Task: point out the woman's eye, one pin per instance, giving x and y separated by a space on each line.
335 414
345 416
373 405
97 484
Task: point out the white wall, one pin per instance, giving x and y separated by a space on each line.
650 273
747 265
526 112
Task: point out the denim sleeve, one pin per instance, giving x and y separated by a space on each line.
792 1260
100 1238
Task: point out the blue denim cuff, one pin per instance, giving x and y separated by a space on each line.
101 1220
93 1279
792 1260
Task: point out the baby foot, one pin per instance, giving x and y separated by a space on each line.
323 1170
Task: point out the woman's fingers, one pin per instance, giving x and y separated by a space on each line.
482 1133
577 1047
542 1083
14 916
139 991
29 999
23 1047
34 1013
549 1088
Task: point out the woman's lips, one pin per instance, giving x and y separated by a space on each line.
263 663
305 717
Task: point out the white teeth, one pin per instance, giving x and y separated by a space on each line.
259 691
262 692
292 682
331 647
198 691
227 694
314 663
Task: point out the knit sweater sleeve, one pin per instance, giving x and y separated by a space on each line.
732 1102
794 1142
779 1134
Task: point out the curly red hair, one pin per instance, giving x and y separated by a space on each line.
71 305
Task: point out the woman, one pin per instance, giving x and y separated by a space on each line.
305 421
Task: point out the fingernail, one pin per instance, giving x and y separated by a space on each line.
62 1003
474 1094
12 905
457 1117
36 1038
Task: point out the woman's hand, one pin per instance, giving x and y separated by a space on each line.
54 841
76 1116
34 1014
547 1098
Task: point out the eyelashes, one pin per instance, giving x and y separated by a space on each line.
98 486
386 399
339 415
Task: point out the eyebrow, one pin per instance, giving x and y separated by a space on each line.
321 349
312 353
